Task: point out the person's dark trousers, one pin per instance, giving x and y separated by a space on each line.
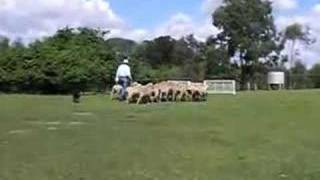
124 82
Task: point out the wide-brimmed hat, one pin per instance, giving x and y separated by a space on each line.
126 61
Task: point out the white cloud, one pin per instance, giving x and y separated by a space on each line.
177 26
180 25
30 19
285 4
209 6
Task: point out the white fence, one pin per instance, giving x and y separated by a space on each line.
221 86
216 86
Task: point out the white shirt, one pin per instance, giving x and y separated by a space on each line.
123 71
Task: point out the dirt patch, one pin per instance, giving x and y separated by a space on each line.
82 114
131 116
128 121
52 128
53 123
20 131
76 123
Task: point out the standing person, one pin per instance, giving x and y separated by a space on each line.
123 77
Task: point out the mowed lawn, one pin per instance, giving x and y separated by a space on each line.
251 136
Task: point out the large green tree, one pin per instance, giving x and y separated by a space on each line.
4 46
315 75
247 28
218 61
299 76
84 57
159 51
123 47
72 59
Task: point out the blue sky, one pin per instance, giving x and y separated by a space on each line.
149 13
305 5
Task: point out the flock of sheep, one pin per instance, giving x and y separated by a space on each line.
166 91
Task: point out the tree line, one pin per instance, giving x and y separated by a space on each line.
71 59
247 46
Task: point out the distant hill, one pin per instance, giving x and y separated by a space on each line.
122 45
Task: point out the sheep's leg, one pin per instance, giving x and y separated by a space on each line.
173 98
112 94
140 99
164 96
174 94
160 96
150 99
128 98
179 97
189 95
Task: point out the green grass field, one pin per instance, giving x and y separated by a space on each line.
251 136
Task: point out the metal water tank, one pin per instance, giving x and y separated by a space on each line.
276 78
